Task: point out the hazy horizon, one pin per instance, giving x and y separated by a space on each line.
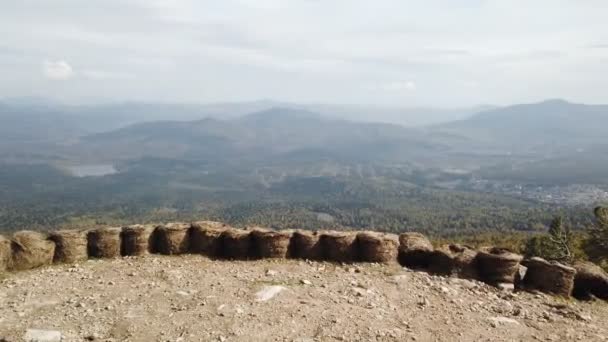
438 54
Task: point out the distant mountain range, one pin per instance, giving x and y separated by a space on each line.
39 119
550 124
272 133
543 133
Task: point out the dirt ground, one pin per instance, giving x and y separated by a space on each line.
192 298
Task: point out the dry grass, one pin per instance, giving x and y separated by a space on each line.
104 242
590 281
339 246
31 250
378 247
136 240
236 244
549 277
205 238
497 265
71 246
271 244
172 238
5 254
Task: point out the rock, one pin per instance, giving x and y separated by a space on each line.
506 286
271 273
502 320
39 335
268 293
305 282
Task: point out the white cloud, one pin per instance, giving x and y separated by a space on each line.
57 70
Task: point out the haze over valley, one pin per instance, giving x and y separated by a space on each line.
169 160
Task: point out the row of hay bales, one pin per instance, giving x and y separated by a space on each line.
496 266
27 250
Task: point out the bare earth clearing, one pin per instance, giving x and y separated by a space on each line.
192 298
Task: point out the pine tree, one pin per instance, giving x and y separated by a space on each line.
561 238
596 246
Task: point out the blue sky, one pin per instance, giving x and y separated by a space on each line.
388 52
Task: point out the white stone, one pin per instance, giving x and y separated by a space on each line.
39 335
503 320
268 293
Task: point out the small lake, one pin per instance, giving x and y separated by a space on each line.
91 170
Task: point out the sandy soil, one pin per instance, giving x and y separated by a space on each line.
192 298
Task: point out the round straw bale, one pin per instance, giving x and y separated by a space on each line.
5 254
378 247
339 246
136 240
236 244
415 250
31 250
205 238
441 262
305 245
590 281
464 261
172 238
270 243
496 265
70 246
104 242
548 277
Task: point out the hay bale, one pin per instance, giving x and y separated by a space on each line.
70 246
339 246
305 245
454 260
496 265
440 261
136 240
236 244
378 247
30 250
548 277
464 261
5 254
590 281
205 238
270 243
104 242
415 250
172 238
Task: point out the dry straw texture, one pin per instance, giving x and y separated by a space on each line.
31 250
236 244
305 245
70 246
548 277
5 253
440 261
104 242
378 247
136 240
205 238
496 265
271 244
590 281
415 250
463 261
339 246
172 238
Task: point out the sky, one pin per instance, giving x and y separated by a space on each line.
438 53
